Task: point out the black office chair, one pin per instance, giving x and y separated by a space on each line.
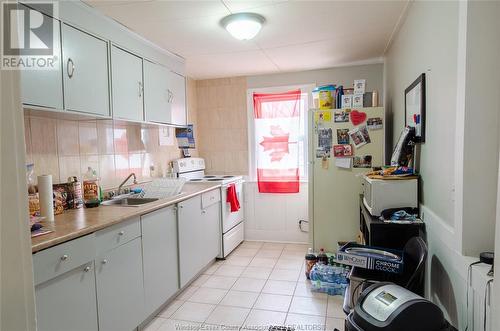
412 278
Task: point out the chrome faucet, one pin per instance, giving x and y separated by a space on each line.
119 191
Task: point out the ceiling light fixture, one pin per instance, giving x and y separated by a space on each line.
243 26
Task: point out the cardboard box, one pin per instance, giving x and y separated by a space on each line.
359 86
371 261
357 101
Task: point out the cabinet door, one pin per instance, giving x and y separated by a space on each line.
126 73
178 100
191 239
85 68
157 94
68 302
159 251
211 225
44 88
120 293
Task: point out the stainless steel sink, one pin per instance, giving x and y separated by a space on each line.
129 202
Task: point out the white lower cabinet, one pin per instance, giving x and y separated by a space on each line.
210 217
120 292
199 236
68 301
159 250
115 278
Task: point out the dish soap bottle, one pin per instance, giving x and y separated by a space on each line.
91 189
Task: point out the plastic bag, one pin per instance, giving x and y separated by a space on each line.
331 279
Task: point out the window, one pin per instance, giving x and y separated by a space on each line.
278 137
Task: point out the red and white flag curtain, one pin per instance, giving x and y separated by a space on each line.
277 125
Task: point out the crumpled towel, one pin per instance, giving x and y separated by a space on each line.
232 198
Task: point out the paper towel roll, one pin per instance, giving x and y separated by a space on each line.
45 194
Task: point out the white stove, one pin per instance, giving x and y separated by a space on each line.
232 223
223 179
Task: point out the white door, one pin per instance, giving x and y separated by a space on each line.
44 88
128 91
85 72
178 87
157 93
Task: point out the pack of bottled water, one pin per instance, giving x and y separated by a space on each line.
331 279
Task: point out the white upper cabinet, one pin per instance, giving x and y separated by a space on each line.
178 87
128 88
44 88
157 93
85 72
92 76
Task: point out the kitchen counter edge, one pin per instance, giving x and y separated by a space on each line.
76 223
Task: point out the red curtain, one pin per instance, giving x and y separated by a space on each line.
277 124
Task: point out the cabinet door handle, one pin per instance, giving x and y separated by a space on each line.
104 261
140 89
121 233
64 257
70 68
170 96
86 269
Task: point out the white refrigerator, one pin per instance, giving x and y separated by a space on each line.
335 176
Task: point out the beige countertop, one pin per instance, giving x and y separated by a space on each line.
79 222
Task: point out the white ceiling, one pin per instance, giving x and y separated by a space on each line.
297 35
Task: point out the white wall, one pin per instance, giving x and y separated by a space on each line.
274 217
480 134
373 73
17 304
427 43
443 40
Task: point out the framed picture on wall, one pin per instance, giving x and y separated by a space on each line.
415 107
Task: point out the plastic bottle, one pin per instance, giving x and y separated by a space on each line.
76 189
91 189
310 261
322 257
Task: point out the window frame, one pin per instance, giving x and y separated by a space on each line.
304 88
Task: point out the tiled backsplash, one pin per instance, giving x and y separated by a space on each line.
66 148
222 113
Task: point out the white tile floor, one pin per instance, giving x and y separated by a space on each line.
258 285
